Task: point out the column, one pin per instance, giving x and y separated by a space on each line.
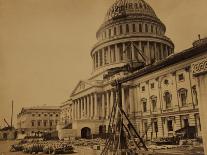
202 83
131 100
117 53
95 106
103 106
109 55
123 100
107 100
79 108
140 51
92 104
110 103
132 47
88 106
148 53
124 52
162 51
156 53
85 107
74 110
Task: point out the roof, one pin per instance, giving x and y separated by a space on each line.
173 59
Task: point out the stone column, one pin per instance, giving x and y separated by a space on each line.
85 107
131 100
133 55
202 82
74 110
117 53
156 52
162 51
92 104
103 106
107 100
79 108
123 100
88 107
111 103
124 52
148 53
95 106
109 55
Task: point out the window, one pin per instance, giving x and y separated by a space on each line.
167 99
154 104
50 123
152 85
155 126
145 126
134 27
143 88
33 115
109 32
33 123
183 96
45 115
57 115
181 77
51 115
186 123
144 103
151 28
114 30
121 52
45 123
101 57
170 125
146 28
166 82
127 28
121 31
39 123
39 115
140 27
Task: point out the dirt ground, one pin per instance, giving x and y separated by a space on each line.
5 145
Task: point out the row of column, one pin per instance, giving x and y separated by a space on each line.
131 28
85 107
124 52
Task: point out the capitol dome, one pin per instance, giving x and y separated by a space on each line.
129 7
130 26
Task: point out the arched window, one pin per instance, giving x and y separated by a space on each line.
127 28
144 104
140 27
146 28
183 96
154 103
134 27
120 27
167 99
114 30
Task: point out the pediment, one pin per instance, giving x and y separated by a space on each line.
81 86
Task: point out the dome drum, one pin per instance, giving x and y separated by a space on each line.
130 27
123 52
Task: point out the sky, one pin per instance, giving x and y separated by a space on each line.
45 44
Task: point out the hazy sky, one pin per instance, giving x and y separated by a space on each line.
45 44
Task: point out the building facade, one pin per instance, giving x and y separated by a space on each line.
37 120
160 98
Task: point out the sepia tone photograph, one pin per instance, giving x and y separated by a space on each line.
103 77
